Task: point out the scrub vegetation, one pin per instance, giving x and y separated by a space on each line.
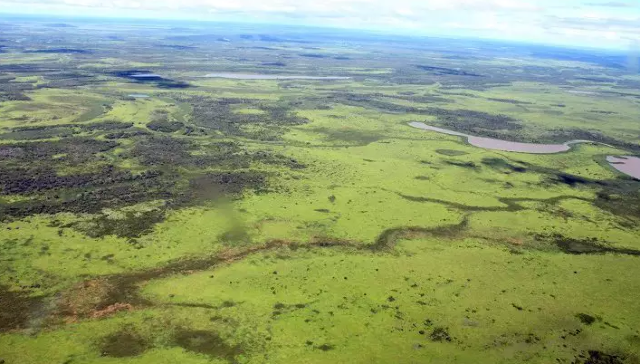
150 214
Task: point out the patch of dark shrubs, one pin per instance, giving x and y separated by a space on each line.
585 318
165 126
440 334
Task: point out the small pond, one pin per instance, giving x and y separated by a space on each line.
628 165
145 75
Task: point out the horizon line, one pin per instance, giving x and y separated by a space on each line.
388 32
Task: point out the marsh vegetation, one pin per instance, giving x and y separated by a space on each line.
282 207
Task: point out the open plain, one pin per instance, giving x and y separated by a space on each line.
150 213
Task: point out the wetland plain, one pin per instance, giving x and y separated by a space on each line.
284 210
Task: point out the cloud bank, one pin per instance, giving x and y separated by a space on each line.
606 24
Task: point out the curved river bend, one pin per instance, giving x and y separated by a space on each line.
628 165
505 145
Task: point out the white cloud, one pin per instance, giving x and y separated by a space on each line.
606 23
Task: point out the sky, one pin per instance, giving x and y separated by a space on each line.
584 23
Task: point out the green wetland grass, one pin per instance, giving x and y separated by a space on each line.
279 221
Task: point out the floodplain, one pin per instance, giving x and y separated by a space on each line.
276 218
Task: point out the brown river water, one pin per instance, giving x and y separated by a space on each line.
628 165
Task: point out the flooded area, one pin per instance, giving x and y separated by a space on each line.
505 145
145 75
248 76
628 165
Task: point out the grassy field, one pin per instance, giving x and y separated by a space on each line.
279 221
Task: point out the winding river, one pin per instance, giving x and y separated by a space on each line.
628 165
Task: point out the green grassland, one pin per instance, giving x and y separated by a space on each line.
279 221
